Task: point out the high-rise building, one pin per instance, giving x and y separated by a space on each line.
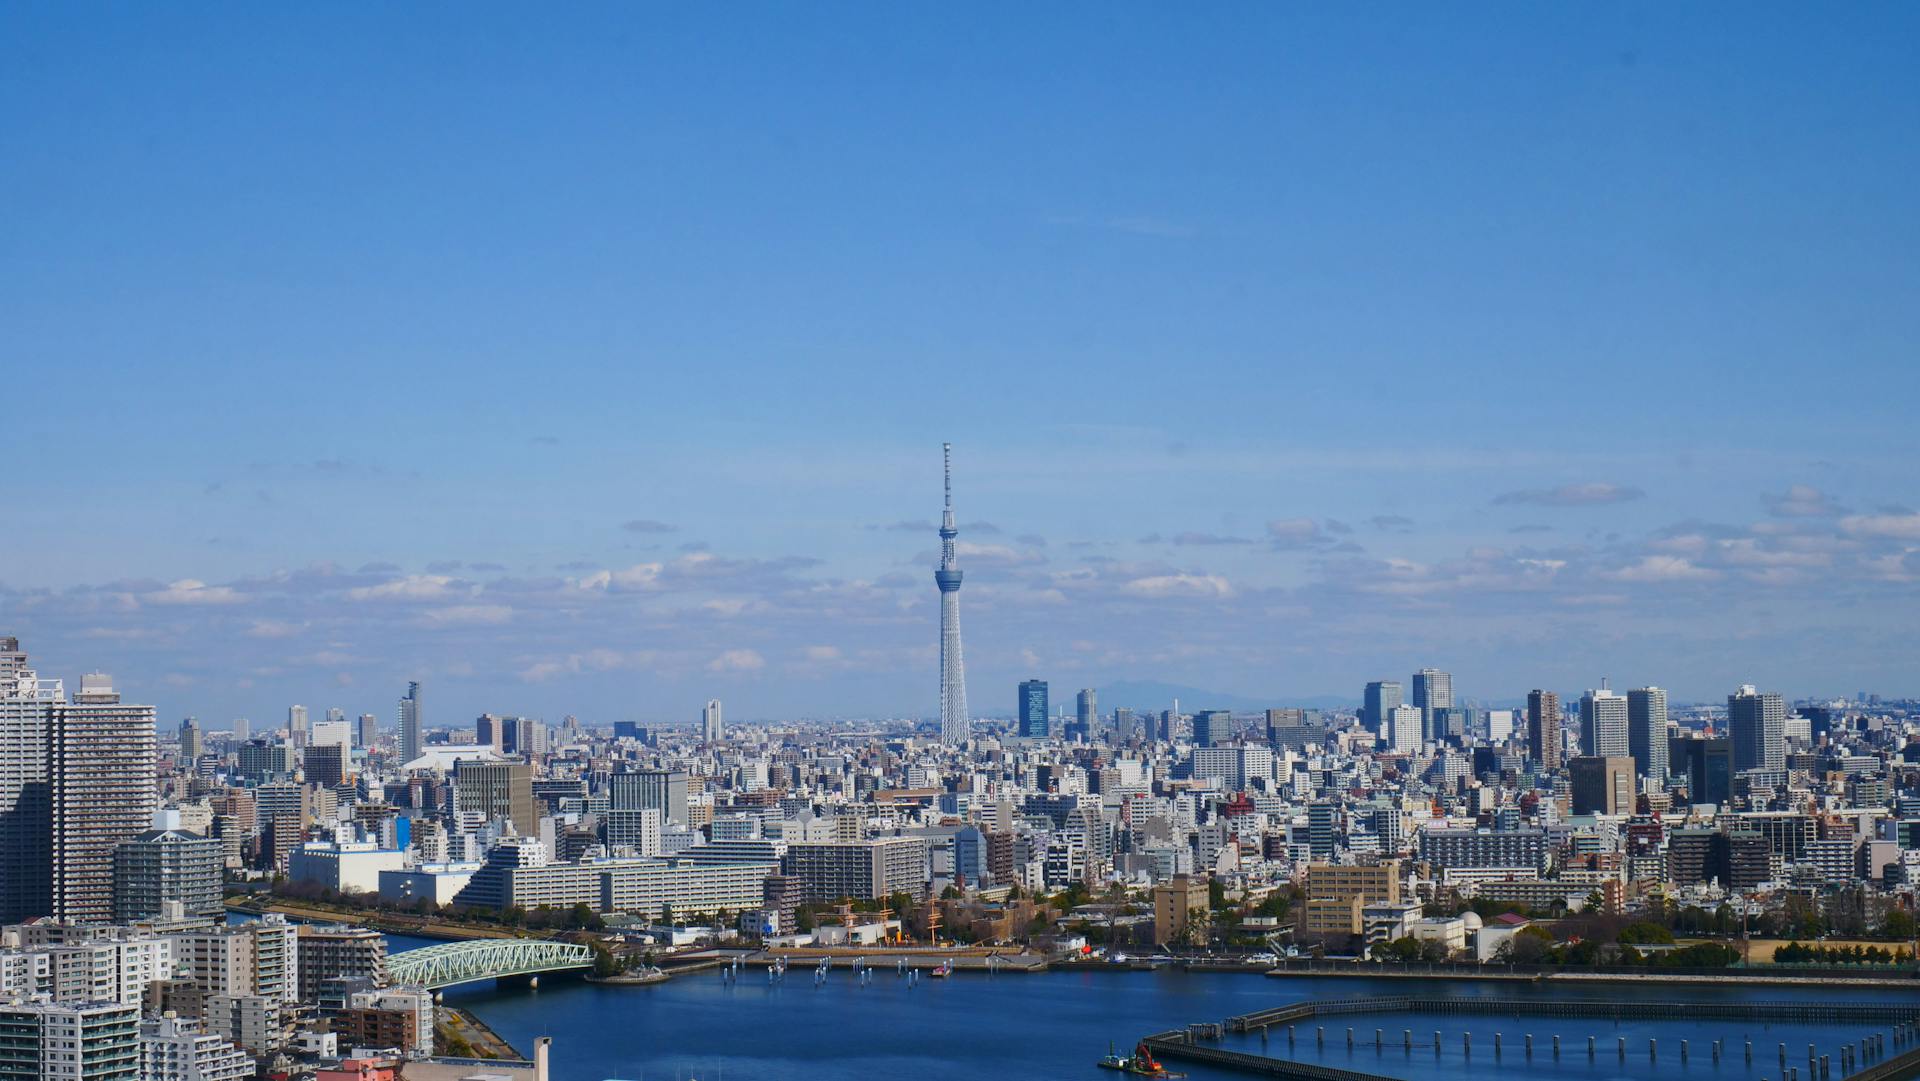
161 866
1125 726
1543 728
102 768
1380 696
192 743
1432 689
1212 726
332 733
369 730
1087 711
497 790
1405 726
1602 785
953 671
1647 732
490 731
297 725
324 764
1032 716
1603 724
1757 723
659 790
412 741
242 729
712 727
1321 830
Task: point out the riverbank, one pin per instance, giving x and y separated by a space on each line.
388 922
460 1034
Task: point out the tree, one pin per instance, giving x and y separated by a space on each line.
604 962
1897 924
1644 932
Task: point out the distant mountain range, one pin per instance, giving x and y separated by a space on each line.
1150 695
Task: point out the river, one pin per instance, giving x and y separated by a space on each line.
1055 1025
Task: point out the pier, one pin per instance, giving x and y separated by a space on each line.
1866 1063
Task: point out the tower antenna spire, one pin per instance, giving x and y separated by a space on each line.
953 676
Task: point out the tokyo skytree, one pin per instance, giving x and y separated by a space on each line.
953 671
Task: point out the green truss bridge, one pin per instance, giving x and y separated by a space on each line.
445 965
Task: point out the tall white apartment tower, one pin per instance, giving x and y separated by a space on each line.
411 743
712 729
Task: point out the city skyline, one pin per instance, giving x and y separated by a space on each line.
1245 407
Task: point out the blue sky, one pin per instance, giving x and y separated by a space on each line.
598 361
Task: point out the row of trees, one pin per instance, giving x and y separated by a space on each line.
1794 953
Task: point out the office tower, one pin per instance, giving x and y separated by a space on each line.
1602 785
192 743
1169 720
1647 732
242 729
1757 724
1705 766
489 731
161 866
1603 724
1088 709
1380 696
527 737
1432 689
297 725
659 790
497 790
1405 726
332 734
1320 830
1211 726
712 728
629 730
1543 728
258 761
369 730
1125 726
103 791
324 764
1032 715
411 742
953 672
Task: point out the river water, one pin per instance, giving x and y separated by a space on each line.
1055 1025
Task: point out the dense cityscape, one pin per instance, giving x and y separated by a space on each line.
206 903
783 542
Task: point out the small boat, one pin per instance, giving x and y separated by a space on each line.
1141 1064
943 970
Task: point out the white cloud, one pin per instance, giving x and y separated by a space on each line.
1898 526
639 577
413 587
1663 568
1179 585
822 654
737 660
273 628
192 591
